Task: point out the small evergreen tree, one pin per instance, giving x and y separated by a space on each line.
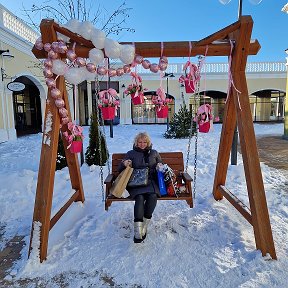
61 161
180 125
92 154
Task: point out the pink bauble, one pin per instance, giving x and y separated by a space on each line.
101 70
119 72
52 54
47 73
138 59
111 72
127 68
55 93
47 47
59 103
48 63
154 68
91 67
146 64
163 66
62 47
71 55
81 62
39 45
50 82
64 120
63 112
163 59
55 46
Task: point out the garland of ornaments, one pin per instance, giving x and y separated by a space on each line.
77 69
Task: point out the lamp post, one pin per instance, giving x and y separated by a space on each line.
285 136
168 75
8 55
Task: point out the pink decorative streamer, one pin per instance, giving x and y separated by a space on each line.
230 77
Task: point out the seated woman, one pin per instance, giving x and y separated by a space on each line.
145 197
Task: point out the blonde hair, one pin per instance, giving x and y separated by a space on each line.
142 135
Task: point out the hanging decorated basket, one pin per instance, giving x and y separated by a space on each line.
204 118
76 146
108 113
162 112
191 77
189 85
205 127
137 99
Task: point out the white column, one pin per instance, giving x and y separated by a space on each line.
125 107
89 96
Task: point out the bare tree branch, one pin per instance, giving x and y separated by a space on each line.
65 10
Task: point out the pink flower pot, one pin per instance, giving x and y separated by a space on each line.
205 127
189 86
76 147
162 113
137 100
108 113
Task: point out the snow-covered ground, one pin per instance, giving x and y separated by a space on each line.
211 245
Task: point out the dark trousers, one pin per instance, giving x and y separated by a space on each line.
144 206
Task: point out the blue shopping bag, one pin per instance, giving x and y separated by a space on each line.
161 183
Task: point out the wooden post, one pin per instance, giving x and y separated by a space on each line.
238 104
47 166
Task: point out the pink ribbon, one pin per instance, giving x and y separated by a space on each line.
109 97
230 77
136 78
161 93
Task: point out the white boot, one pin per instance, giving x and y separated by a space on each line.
138 226
144 227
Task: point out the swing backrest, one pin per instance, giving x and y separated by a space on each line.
173 159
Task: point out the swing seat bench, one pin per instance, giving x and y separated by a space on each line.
173 159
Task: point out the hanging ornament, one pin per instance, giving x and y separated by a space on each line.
96 56
55 93
59 103
85 29
138 59
47 47
73 25
146 64
98 38
127 53
91 67
112 48
154 68
59 67
71 55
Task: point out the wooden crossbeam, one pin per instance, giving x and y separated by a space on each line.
237 203
153 49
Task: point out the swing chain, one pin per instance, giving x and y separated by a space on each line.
97 90
197 98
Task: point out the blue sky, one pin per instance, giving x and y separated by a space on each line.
195 19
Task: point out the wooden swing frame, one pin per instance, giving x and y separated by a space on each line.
237 112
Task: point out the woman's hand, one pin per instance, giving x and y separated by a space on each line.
127 163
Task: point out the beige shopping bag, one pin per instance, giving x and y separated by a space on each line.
121 181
